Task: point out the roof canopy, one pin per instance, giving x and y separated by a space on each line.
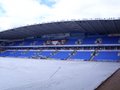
82 26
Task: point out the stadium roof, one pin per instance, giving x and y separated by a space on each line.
82 26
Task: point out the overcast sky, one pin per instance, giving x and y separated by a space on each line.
16 13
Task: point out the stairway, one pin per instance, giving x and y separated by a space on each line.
95 52
71 54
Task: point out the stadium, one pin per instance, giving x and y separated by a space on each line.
64 55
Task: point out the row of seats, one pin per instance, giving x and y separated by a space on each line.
101 40
26 42
63 55
67 41
95 40
26 54
107 55
82 55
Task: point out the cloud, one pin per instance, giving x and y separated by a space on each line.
77 9
2 11
22 12
48 3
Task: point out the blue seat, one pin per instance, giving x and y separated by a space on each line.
61 55
107 56
82 55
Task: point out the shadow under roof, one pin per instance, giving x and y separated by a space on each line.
82 26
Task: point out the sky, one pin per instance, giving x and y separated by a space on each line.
17 13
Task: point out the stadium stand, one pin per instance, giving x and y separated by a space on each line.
68 45
70 41
65 54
